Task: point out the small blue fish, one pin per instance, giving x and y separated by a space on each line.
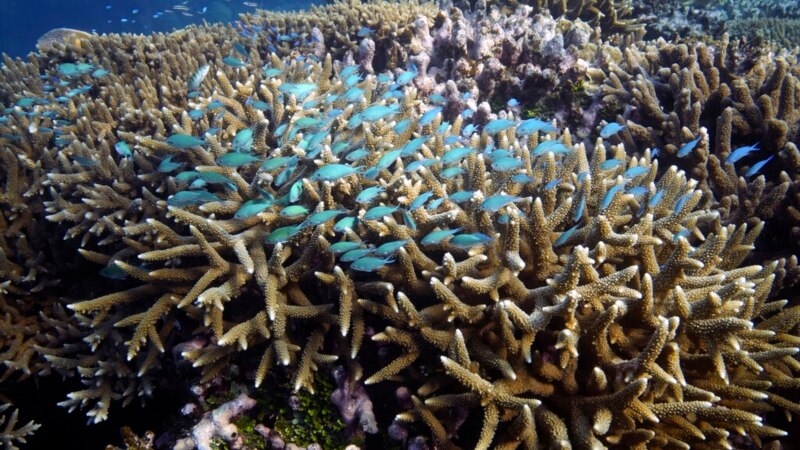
420 201
318 218
740 153
416 165
214 104
409 221
609 196
611 164
438 99
252 207
284 175
123 149
634 172
531 126
550 146
354 121
401 126
356 254
196 114
84 161
390 248
301 91
552 183
757 166
522 178
385 77
378 112
352 95
357 155
371 173
565 236
429 116
296 191
506 164
282 234
348 71
236 159
495 202
364 31
512 103
369 194
656 199
277 163
579 210
259 105
306 122
688 147
455 155
100 73
435 237
113 272
387 159
466 241
370 264
379 212
435 204
352 80
271 72
450 140
294 211
333 172
342 225
460 196
411 147
406 77
499 153
241 50
683 233
452 172
186 198
344 247
233 62
611 129
638 190
185 141
498 125
681 203
166 165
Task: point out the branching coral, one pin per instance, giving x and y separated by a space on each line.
577 299
10 434
306 212
673 93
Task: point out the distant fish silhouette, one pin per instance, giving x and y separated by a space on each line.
67 36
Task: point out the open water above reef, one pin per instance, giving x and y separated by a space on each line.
23 21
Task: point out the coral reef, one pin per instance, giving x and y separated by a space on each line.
781 32
610 15
320 195
669 94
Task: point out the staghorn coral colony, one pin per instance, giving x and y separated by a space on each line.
451 226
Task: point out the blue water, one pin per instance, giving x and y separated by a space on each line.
23 21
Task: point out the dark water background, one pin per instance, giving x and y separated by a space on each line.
23 21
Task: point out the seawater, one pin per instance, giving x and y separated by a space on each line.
23 21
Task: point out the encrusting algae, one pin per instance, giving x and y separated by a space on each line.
286 214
